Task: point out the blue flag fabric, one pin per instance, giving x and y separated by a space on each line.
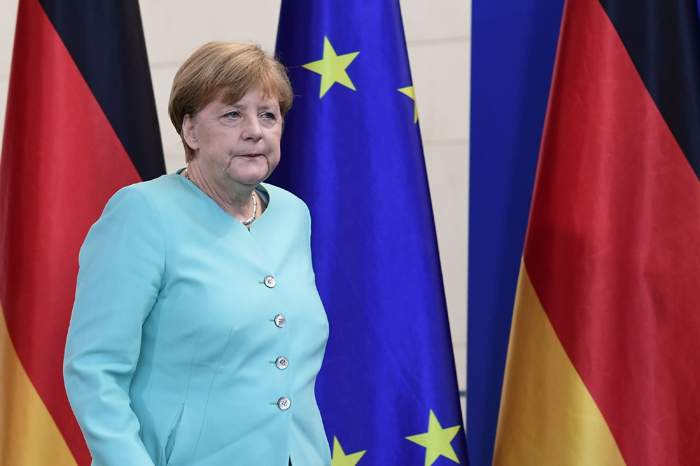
513 48
352 150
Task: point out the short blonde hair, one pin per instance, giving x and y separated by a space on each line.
227 70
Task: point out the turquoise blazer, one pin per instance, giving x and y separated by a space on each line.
193 341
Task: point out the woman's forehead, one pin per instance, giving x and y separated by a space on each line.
255 95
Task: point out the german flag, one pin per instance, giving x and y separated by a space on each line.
603 365
80 124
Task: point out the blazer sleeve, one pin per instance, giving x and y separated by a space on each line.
122 262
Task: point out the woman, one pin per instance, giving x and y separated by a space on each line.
197 331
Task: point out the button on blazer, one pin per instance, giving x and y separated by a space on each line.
194 341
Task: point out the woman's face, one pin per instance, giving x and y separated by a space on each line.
236 143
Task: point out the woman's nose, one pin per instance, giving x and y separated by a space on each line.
252 129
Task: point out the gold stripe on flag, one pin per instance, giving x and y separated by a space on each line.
28 433
547 415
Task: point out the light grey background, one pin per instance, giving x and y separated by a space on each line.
439 42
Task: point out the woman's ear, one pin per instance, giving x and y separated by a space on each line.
189 133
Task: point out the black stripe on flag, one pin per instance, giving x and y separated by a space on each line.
105 39
663 39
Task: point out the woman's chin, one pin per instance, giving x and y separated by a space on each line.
251 174
250 178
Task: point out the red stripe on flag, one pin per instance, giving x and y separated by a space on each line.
614 241
61 161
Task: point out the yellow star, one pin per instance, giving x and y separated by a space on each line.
332 68
408 90
341 459
436 441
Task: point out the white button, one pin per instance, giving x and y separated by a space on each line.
270 281
280 320
284 403
282 363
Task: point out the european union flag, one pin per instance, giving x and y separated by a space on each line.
352 150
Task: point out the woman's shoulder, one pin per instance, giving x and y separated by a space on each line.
164 185
144 200
158 192
283 197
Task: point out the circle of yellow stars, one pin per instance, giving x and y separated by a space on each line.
437 442
333 69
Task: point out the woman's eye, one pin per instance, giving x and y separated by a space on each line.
232 115
268 116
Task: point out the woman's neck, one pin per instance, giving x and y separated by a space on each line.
235 200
